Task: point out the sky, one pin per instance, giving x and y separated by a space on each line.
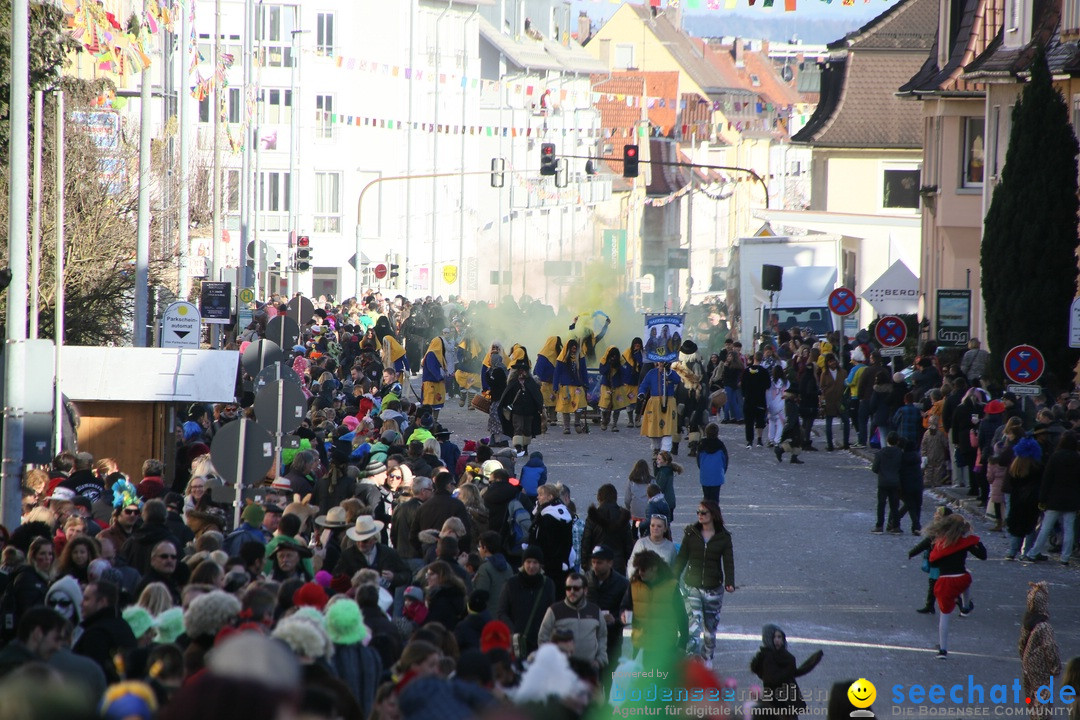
856 14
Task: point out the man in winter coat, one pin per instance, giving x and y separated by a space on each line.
498 495
494 570
404 518
436 510
533 474
581 617
609 525
606 587
887 463
105 633
136 549
755 384
1059 495
525 597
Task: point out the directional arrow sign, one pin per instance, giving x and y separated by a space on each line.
1024 364
890 331
842 301
181 326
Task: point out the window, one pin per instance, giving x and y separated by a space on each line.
971 172
204 109
328 202
274 200
624 57
755 81
900 189
324 34
324 127
1076 115
1070 18
232 190
995 137
235 105
276 106
274 29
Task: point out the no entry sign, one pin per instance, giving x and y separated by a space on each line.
890 331
842 301
1024 364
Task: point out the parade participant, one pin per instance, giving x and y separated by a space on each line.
467 371
949 555
658 420
706 555
569 386
632 366
522 398
612 396
588 339
433 376
755 384
392 353
691 395
495 358
545 373
519 353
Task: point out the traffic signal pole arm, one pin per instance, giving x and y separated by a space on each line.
731 168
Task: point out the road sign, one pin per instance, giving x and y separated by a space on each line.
215 302
1074 324
300 309
449 274
891 352
247 295
842 301
181 326
280 406
284 331
274 372
1024 364
1024 389
890 331
647 283
380 271
259 354
242 452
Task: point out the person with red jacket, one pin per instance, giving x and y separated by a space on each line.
949 556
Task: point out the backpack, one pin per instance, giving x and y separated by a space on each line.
518 523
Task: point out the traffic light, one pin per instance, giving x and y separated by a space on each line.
251 254
393 271
302 258
630 161
548 162
498 169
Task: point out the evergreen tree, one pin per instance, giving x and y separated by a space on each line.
1029 245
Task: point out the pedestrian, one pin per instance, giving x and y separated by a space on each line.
664 476
552 531
755 384
1059 496
654 609
774 405
707 557
935 454
633 364
886 466
658 540
952 544
792 436
569 385
583 619
657 506
691 394
911 486
636 496
524 599
907 420
1023 481
533 474
973 363
833 397
525 404
997 467
609 525
712 462
731 370
775 665
1040 661
659 418
923 546
851 385
809 401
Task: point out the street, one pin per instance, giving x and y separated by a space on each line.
805 560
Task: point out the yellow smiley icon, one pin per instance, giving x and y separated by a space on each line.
862 693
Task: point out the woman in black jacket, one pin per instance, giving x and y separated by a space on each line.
1059 496
445 595
1023 478
523 396
707 556
775 665
607 524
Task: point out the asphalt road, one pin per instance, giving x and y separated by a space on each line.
806 561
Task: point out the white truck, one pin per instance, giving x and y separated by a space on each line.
811 270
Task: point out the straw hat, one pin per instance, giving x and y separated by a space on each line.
366 527
334 518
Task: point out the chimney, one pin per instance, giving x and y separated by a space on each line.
765 48
605 52
737 53
584 28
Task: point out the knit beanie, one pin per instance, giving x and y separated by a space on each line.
496 634
310 594
253 514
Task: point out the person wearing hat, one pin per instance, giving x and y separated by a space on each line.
449 452
545 373
285 560
354 661
467 370
136 551
374 493
691 394
249 530
367 551
526 405
332 531
568 384
524 599
433 375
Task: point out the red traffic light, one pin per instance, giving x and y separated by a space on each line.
547 148
631 151
303 241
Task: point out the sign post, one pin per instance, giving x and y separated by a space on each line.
1024 365
181 326
279 408
215 302
242 452
890 332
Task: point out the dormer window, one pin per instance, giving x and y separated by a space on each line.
755 81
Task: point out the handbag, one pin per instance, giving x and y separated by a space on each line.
718 399
507 411
482 403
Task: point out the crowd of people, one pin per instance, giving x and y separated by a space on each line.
387 571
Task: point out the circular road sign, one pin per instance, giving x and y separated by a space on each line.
1024 364
300 309
247 295
284 331
842 301
380 271
259 354
247 462
890 331
273 373
280 406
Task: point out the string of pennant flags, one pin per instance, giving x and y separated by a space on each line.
113 47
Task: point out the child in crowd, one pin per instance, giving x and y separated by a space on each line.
791 438
657 505
952 543
666 470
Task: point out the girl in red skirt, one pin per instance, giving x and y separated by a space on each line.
949 555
